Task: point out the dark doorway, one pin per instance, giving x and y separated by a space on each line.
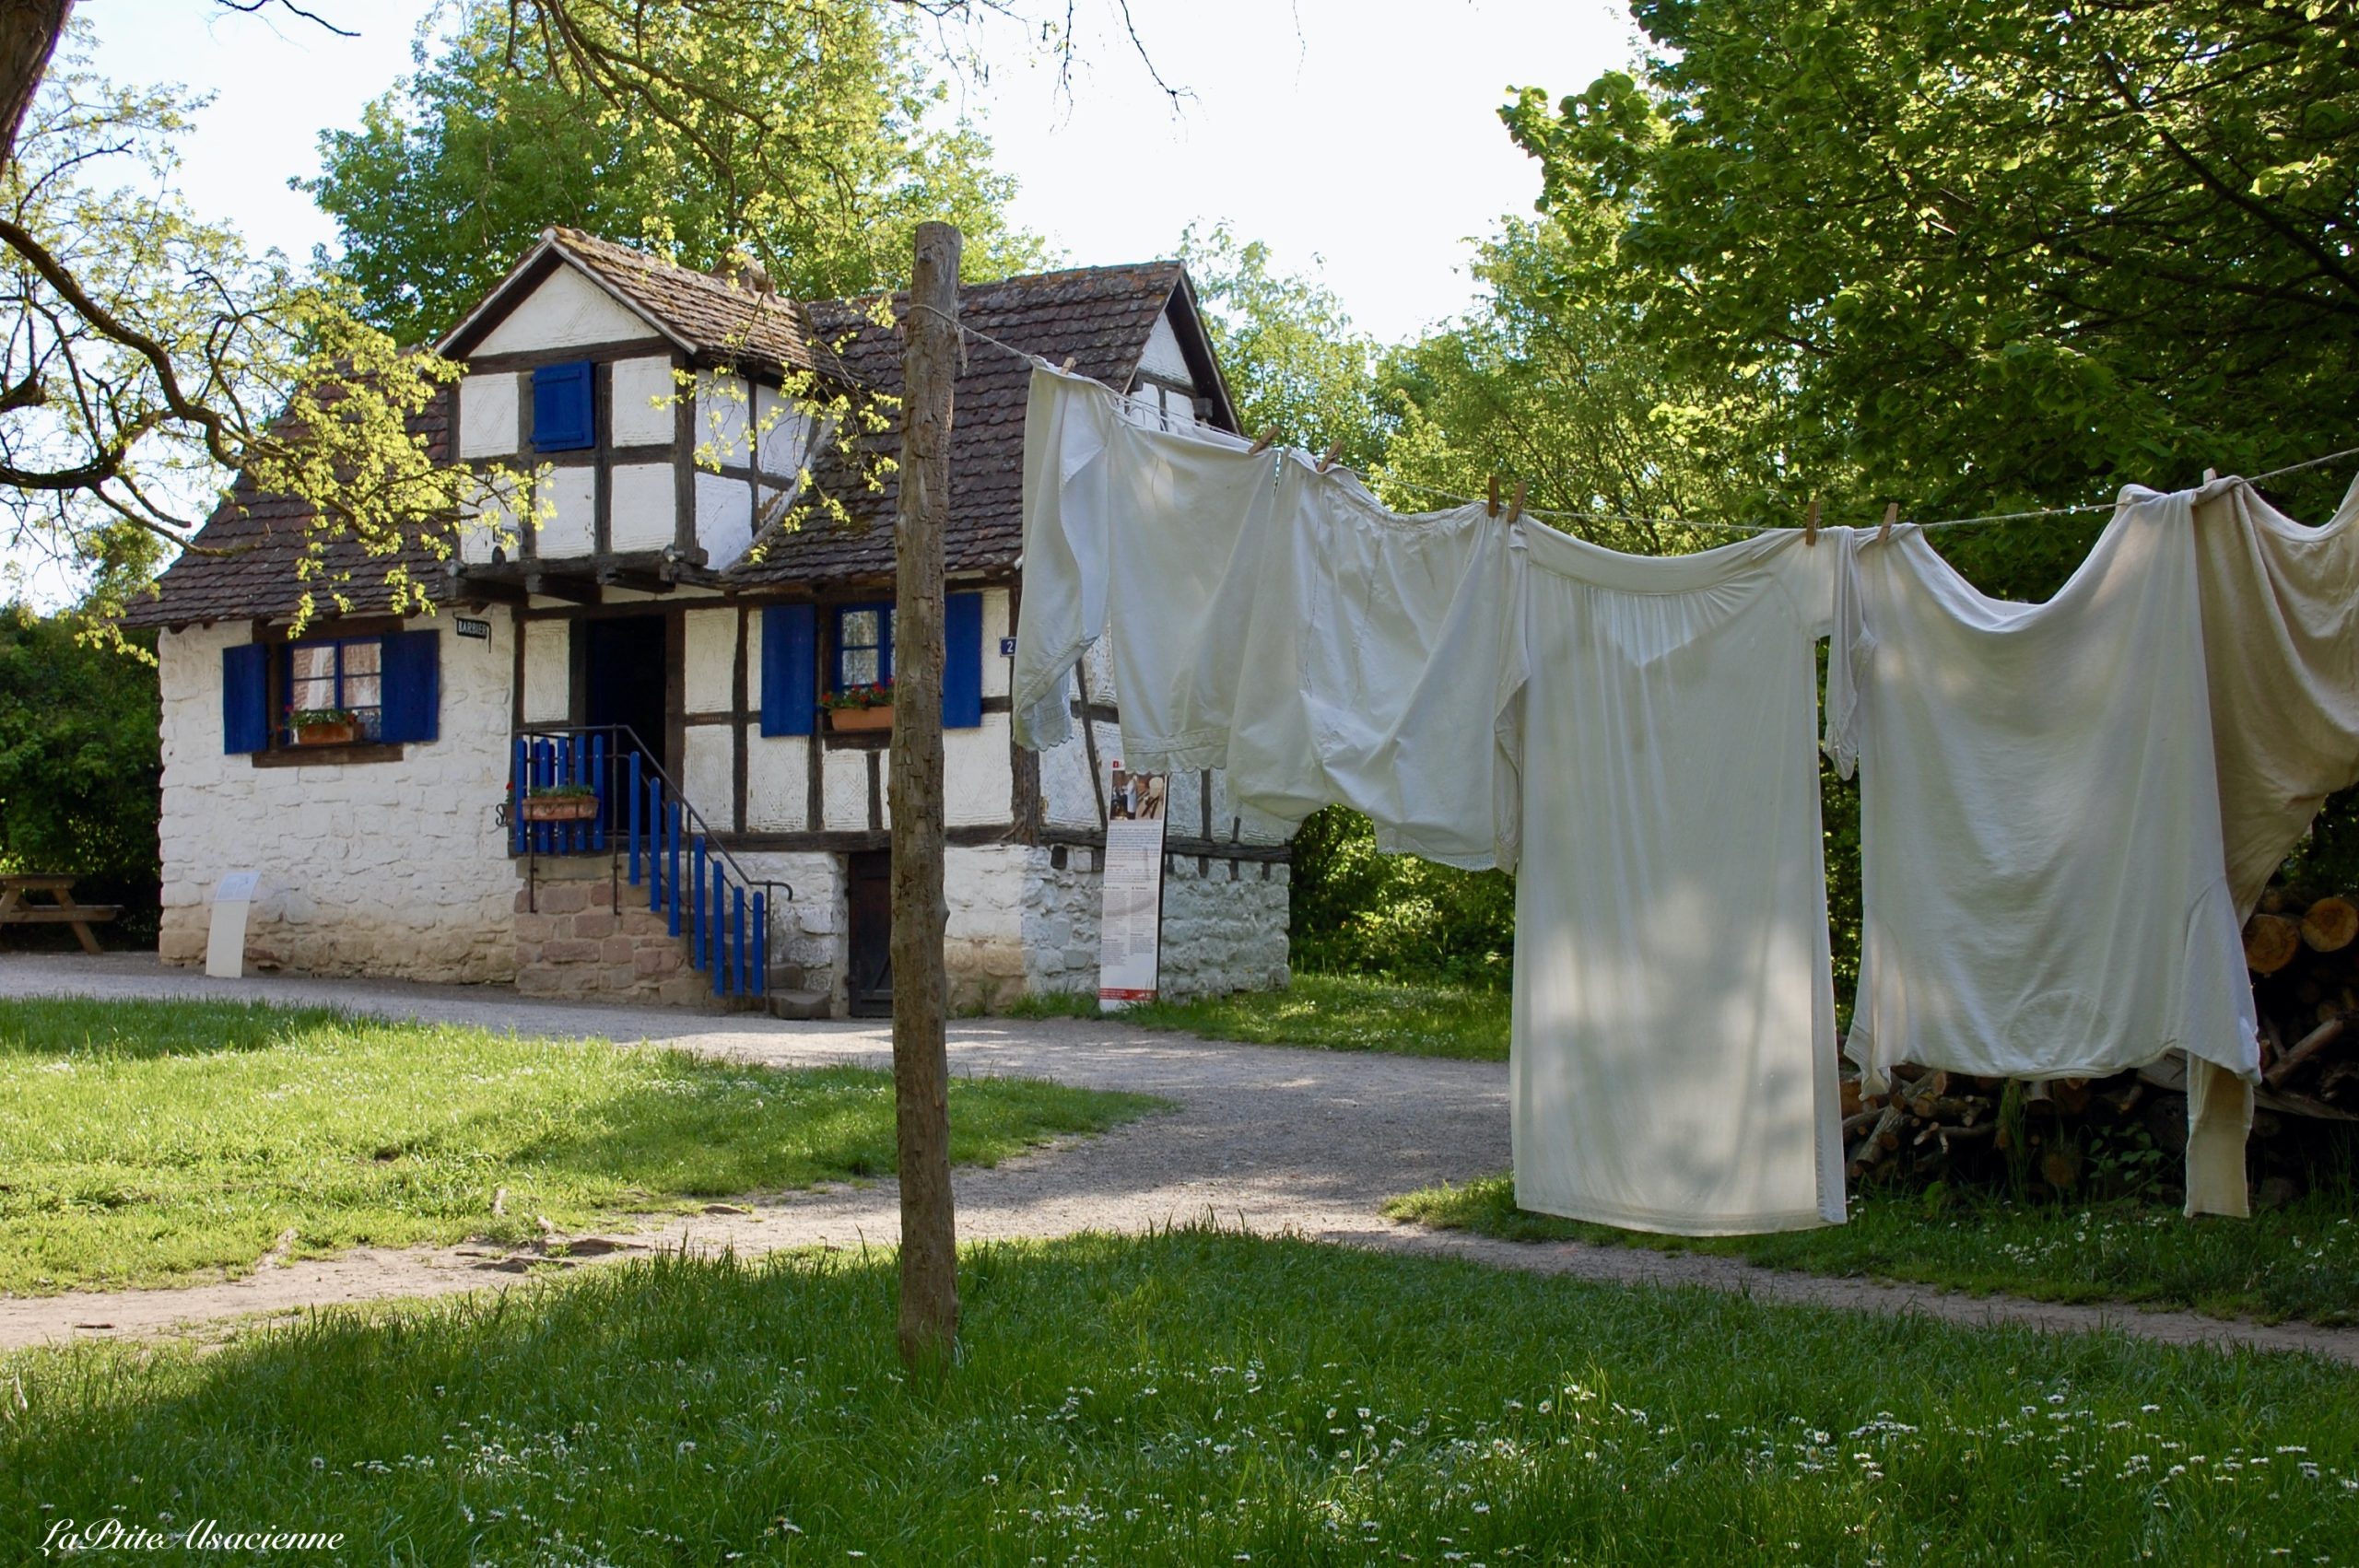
870 875
623 667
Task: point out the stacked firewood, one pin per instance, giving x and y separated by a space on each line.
2077 1135
2304 954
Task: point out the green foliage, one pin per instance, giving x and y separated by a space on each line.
160 356
1189 1397
1354 910
81 768
806 135
146 1140
1989 257
1292 357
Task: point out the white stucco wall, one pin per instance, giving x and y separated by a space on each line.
566 312
643 411
487 415
646 507
724 518
548 671
712 660
383 868
573 528
778 782
1162 357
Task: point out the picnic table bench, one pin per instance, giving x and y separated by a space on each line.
16 910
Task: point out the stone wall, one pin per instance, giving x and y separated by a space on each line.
395 868
1224 926
573 940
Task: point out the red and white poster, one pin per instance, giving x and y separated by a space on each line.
1130 921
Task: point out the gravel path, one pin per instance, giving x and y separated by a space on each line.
1274 1139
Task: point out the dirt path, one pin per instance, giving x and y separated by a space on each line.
1273 1140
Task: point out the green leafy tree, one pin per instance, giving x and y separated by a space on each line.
803 135
1293 359
80 763
1996 255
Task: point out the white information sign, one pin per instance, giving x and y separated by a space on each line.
1130 924
225 941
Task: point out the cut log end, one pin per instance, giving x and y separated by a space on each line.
2330 925
2270 943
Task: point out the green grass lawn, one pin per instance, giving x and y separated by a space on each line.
1189 1398
2300 1261
143 1143
1341 1012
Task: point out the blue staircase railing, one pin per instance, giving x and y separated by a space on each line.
668 848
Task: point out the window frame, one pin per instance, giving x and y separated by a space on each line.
838 649
372 715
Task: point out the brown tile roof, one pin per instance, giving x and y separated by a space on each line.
721 321
1101 317
253 543
1098 316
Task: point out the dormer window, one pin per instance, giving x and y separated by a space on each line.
563 418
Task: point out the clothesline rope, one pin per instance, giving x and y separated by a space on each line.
1585 516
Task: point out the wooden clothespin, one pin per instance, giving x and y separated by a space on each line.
1810 523
1891 516
1262 442
1067 365
1329 461
2210 474
1514 508
1495 495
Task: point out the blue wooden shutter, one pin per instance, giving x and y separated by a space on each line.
245 696
789 668
561 413
411 687
962 661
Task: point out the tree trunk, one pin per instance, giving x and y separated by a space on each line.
28 33
929 1317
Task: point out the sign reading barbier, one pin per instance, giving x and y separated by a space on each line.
473 630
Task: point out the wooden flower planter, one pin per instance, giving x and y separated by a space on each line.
559 807
341 735
849 718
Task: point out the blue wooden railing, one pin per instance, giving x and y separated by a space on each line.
703 893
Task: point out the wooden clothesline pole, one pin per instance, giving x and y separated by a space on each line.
928 1327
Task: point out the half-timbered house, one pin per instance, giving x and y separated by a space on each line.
665 635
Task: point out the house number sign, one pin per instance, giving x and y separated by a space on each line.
479 631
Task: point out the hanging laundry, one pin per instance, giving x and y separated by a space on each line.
2041 865
1674 1059
2280 637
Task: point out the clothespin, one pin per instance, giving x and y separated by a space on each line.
1495 495
1514 508
1810 523
1067 365
1891 516
2210 474
1262 442
1329 461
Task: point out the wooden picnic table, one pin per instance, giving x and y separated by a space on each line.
16 910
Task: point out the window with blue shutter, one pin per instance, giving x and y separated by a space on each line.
344 674
563 419
863 646
789 668
412 685
962 661
245 696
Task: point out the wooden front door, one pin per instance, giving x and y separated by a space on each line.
870 873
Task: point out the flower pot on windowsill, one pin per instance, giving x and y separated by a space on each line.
342 733
844 720
559 807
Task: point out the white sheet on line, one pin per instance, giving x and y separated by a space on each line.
2042 876
1673 1060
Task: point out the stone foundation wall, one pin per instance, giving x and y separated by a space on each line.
572 940
1224 924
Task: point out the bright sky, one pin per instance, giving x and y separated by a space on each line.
1360 138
